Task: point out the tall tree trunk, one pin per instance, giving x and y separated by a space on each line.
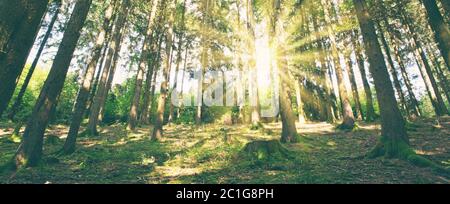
391 67
83 93
205 6
148 101
27 80
144 116
109 69
425 69
298 93
446 5
440 28
370 110
324 69
182 80
101 68
159 119
393 131
347 112
132 119
179 59
415 104
19 24
354 86
443 81
30 151
253 82
289 130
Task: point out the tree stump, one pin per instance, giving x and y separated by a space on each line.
263 150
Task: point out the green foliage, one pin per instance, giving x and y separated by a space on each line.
66 100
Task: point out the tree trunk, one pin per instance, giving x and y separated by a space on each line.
393 131
159 119
83 93
370 110
19 25
100 70
415 104
179 59
289 130
347 112
355 92
301 113
132 121
30 151
391 67
446 5
441 76
440 28
182 80
23 89
108 70
251 48
425 70
148 101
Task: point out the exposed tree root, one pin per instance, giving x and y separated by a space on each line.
401 150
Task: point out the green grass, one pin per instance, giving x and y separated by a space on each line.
215 154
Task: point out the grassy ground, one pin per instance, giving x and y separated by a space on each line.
213 154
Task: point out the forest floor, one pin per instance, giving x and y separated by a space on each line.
213 154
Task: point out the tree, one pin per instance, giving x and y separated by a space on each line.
440 28
254 93
370 110
19 24
17 103
425 68
133 116
86 86
30 150
394 139
112 55
159 119
347 112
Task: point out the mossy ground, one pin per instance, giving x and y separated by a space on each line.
216 154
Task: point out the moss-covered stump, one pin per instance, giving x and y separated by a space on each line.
266 150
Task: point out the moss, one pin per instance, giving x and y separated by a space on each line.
397 148
347 128
265 150
256 126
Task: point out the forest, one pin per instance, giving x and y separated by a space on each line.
224 91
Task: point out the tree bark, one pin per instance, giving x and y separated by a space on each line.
440 28
298 93
415 104
391 67
425 69
159 119
133 116
370 110
179 59
347 112
253 82
108 70
355 92
393 131
30 150
19 24
86 86
27 80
